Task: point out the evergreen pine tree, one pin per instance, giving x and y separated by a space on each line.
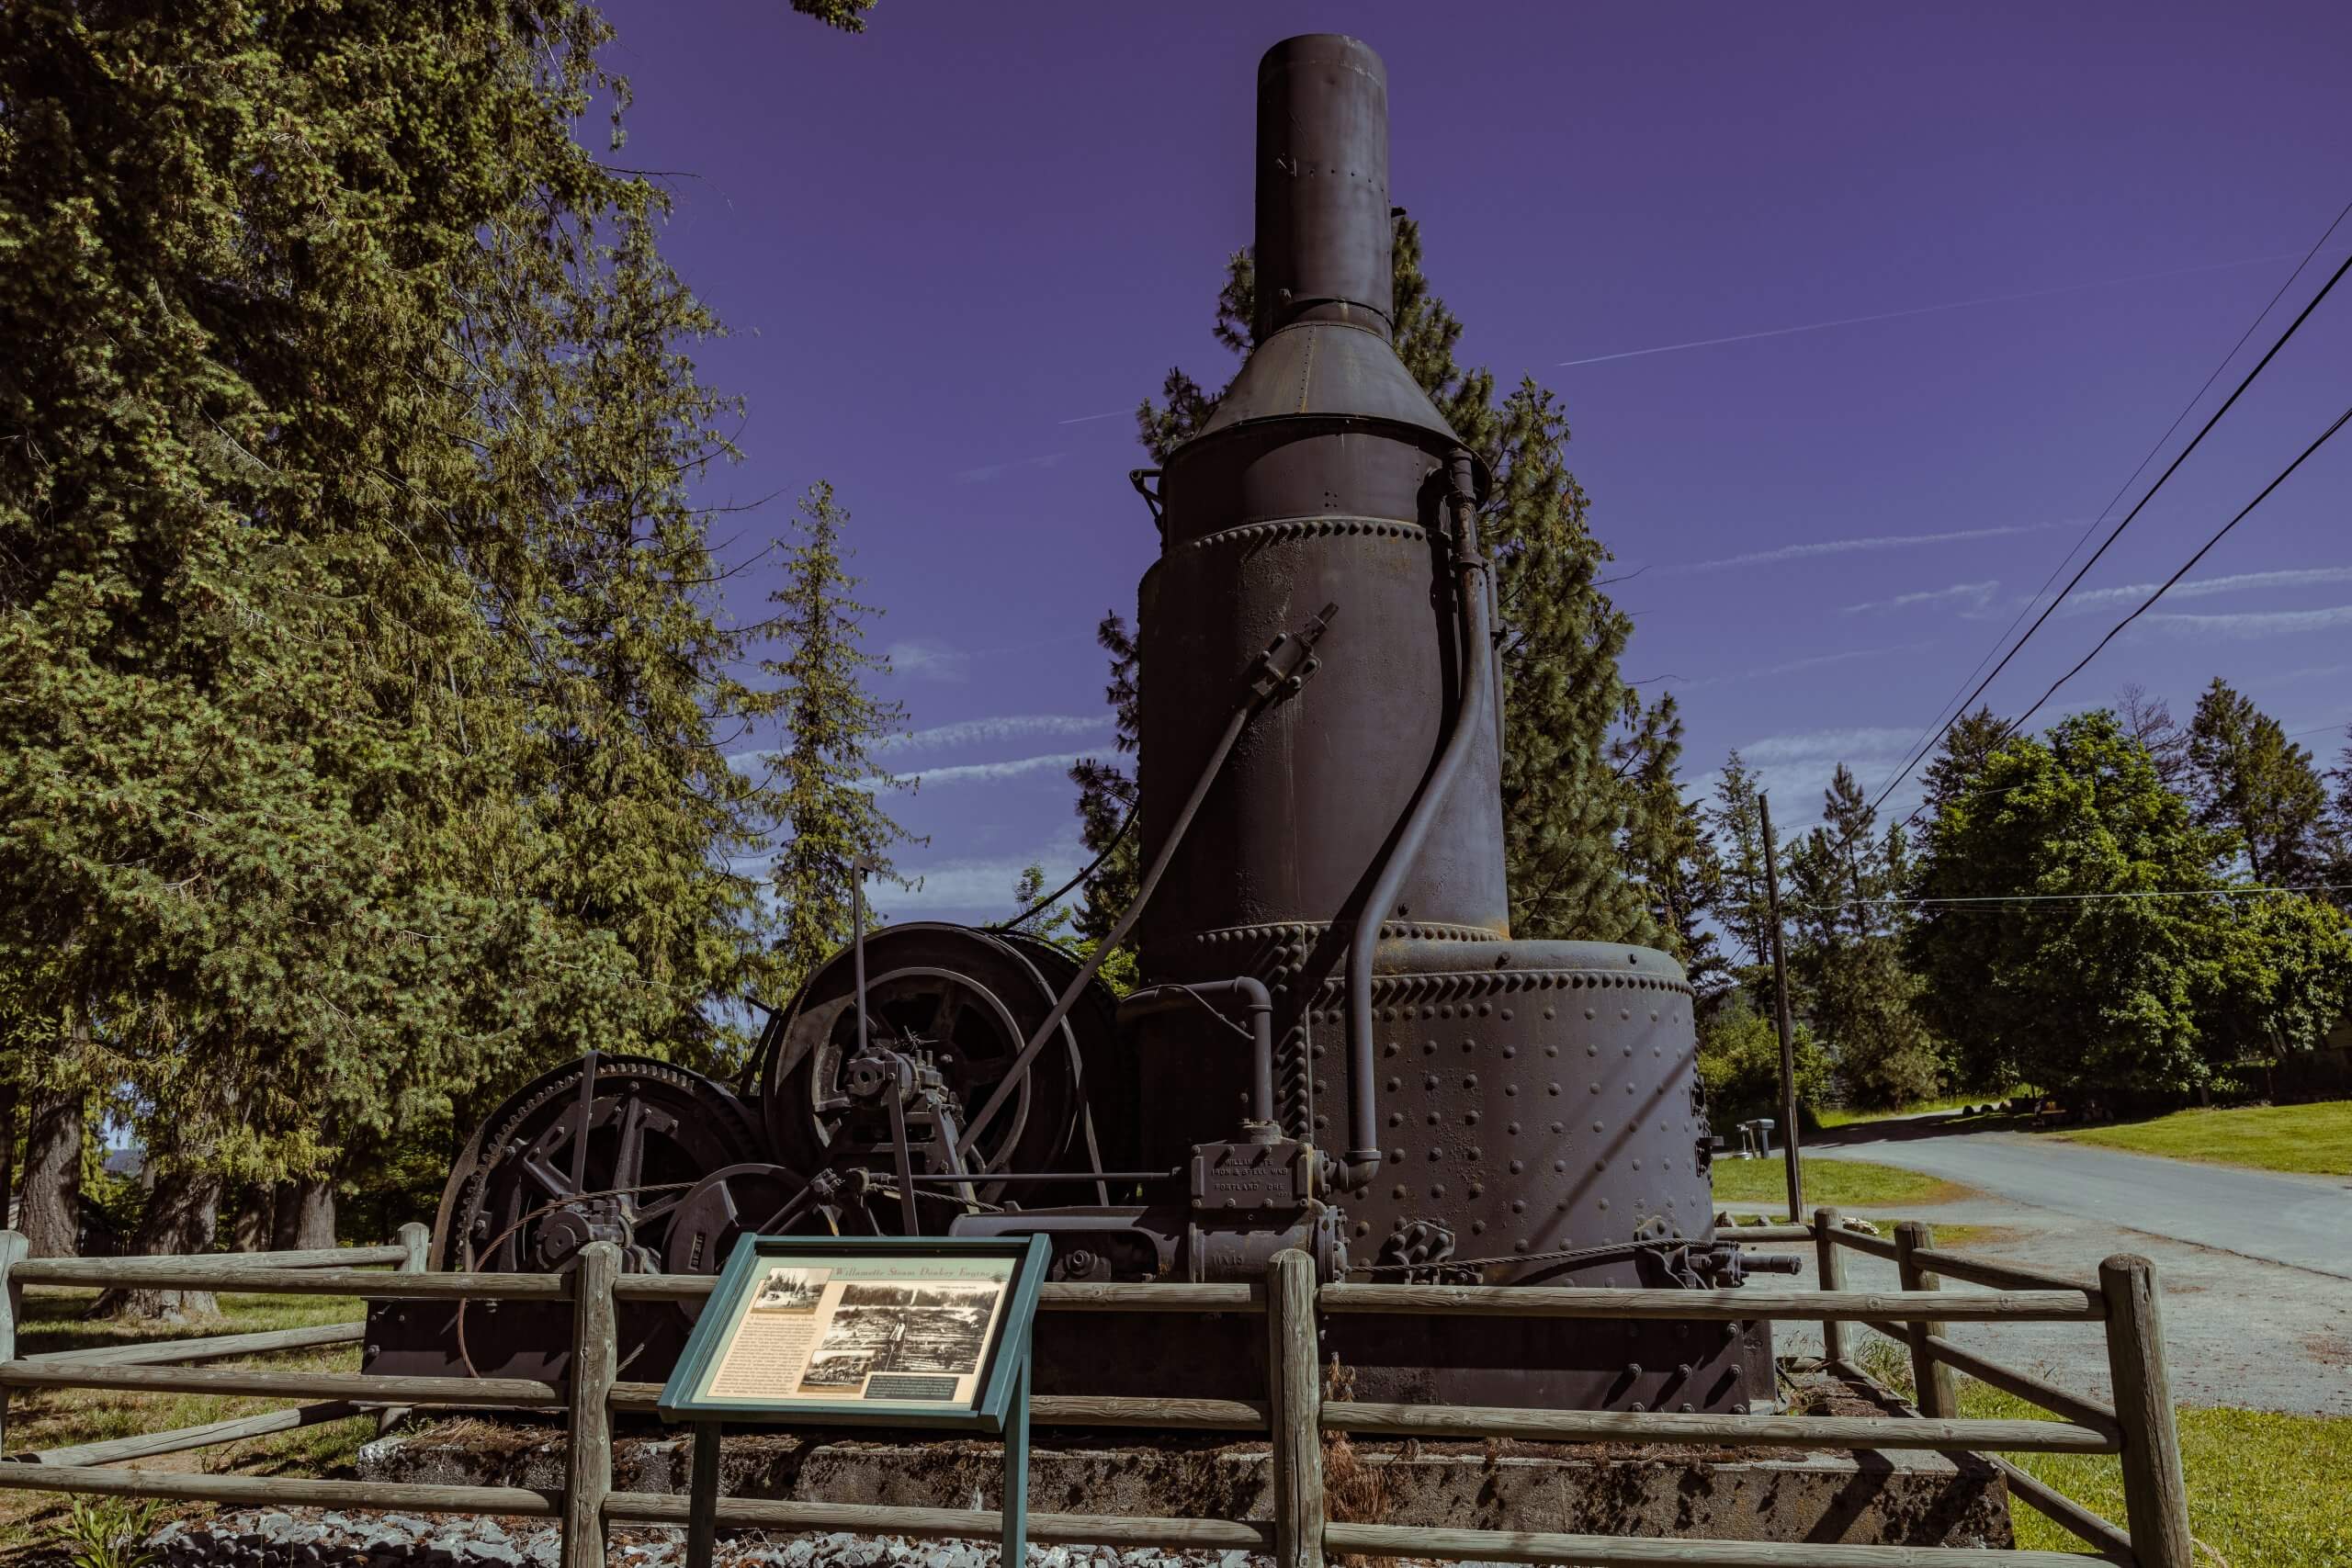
1860 997
2247 779
1738 821
826 779
1960 757
1107 794
360 693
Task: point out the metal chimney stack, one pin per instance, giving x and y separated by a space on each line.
1531 1110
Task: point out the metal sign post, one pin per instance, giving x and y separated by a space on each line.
929 1332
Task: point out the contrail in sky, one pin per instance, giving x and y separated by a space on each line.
1925 310
1090 418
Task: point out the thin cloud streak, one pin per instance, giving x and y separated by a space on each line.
1873 542
1011 726
927 660
1976 595
1924 311
1795 665
1828 745
2206 587
1090 417
981 887
984 773
2254 624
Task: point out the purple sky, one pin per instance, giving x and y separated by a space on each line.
947 245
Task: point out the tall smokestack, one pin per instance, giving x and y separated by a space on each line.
1323 213
1530 1108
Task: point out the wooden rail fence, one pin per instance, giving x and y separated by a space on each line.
2138 1427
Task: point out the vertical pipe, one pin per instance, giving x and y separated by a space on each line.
1470 715
2155 1500
580 1139
1781 1009
857 869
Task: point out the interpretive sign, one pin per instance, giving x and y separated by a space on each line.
863 1331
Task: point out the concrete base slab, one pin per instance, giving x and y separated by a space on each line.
1896 1497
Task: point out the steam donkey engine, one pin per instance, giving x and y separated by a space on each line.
1338 1047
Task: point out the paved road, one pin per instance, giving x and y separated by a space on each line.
2304 1221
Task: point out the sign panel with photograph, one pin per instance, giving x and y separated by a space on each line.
863 1330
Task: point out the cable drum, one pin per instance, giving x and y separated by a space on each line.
968 1001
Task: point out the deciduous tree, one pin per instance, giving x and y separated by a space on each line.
2091 953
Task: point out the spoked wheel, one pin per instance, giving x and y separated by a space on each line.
756 1200
603 1149
967 1002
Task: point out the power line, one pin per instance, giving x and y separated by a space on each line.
2219 534
2170 469
1945 717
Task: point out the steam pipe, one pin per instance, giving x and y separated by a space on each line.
1471 716
1118 932
1170 997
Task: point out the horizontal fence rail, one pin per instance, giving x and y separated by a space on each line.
1715 1306
1295 1417
211 1347
521 1392
1620 1551
1726 1431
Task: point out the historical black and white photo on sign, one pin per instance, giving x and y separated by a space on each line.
910 1328
790 1290
833 1369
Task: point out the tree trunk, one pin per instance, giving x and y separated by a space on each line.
305 1214
8 1154
52 1210
254 1226
183 1214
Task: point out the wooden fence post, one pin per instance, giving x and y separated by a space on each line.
12 1246
1295 1403
418 1239
1830 1262
1938 1386
2156 1499
588 1455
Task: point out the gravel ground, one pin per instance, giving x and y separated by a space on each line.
310 1537
2242 1332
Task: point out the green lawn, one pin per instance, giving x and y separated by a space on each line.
2315 1139
2255 1497
55 1417
1841 1183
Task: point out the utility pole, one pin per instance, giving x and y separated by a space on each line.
1788 1034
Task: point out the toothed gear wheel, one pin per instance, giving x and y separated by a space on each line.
525 1198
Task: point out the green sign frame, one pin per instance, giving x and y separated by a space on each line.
999 1401
687 1396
